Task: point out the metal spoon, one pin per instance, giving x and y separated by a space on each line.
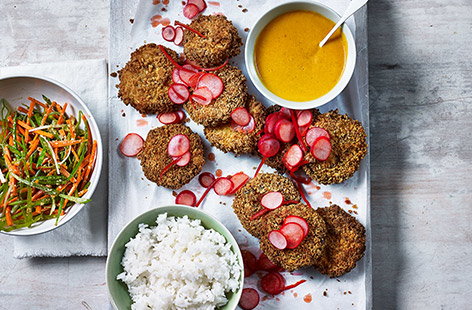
351 9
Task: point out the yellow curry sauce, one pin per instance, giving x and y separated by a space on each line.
289 61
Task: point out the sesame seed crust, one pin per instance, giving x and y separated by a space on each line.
154 156
145 80
345 242
227 139
349 147
307 252
218 111
222 41
247 200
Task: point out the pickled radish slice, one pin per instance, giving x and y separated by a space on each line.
244 129
264 263
202 95
250 263
294 234
186 73
193 81
181 115
178 145
321 148
206 179
249 299
272 200
223 186
191 10
304 118
277 239
268 147
239 180
241 116
168 33
293 157
212 82
186 197
169 118
183 160
314 133
284 130
131 145
176 77
300 221
178 93
201 4
273 283
179 35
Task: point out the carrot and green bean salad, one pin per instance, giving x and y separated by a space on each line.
47 160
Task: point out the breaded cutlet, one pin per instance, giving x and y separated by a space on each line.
345 242
154 156
145 80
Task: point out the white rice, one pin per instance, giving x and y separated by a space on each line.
179 264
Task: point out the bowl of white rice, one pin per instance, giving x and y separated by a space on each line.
174 257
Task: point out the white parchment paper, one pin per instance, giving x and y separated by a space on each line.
132 194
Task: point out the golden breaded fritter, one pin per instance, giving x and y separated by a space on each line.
307 252
222 41
227 139
349 146
145 80
345 242
154 156
218 111
247 200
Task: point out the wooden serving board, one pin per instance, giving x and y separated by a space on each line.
130 193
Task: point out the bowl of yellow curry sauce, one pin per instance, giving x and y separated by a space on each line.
285 62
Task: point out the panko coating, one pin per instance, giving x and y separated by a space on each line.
145 80
218 111
222 41
307 252
154 156
247 200
349 146
227 139
345 242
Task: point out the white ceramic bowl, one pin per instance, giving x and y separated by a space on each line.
16 90
289 7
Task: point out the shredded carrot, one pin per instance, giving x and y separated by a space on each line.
57 144
22 110
60 120
8 216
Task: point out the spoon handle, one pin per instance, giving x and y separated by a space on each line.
354 5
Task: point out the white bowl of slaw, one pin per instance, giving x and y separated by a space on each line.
16 89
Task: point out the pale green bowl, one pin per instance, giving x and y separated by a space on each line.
118 291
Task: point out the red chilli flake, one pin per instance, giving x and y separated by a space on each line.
190 29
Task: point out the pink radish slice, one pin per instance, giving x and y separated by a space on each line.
201 4
304 118
223 186
273 283
202 95
272 200
186 197
185 75
179 36
178 93
314 133
178 145
131 145
286 112
277 239
239 179
182 160
284 130
181 115
321 148
176 77
191 10
193 81
266 136
244 129
241 116
294 234
249 299
206 179
268 147
294 156
213 83
168 33
169 118
300 221
272 119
